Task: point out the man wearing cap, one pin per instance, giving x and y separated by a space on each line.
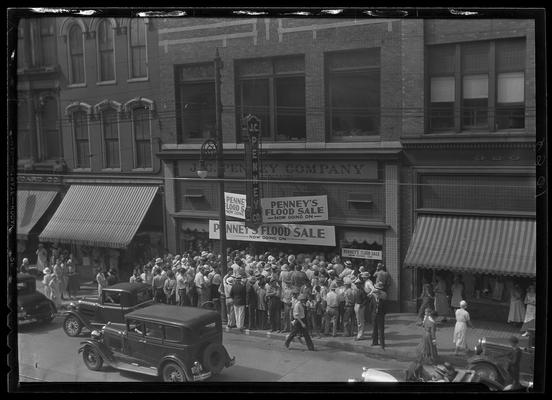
299 326
24 268
158 285
348 270
228 282
238 294
349 307
332 304
251 302
377 314
274 304
360 300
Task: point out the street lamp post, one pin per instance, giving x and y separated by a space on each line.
213 149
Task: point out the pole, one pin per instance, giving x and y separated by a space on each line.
220 176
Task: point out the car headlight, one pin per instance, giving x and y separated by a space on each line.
197 368
96 334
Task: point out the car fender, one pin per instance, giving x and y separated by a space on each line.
177 360
77 315
481 359
99 347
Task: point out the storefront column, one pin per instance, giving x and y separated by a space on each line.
391 235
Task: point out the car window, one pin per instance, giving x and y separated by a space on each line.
136 326
154 330
143 295
173 333
113 298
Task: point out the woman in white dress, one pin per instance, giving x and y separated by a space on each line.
46 282
530 302
461 328
517 310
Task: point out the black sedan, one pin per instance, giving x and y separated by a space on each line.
32 305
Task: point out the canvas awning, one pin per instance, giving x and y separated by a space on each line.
102 216
31 206
505 246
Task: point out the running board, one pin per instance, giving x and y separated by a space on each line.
133 367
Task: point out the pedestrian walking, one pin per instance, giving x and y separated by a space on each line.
377 313
427 350
516 313
46 282
238 294
169 288
383 276
41 257
360 300
349 307
427 299
181 287
299 325
72 281
286 294
461 328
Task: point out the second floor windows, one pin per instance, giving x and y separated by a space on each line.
274 91
477 86
110 131
141 130
79 121
137 49
105 52
76 55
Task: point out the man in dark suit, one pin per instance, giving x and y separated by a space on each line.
377 314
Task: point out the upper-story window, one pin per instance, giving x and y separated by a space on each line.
24 145
137 48
110 133
353 93
46 46
76 55
273 89
106 52
49 137
36 44
79 122
196 101
477 86
142 136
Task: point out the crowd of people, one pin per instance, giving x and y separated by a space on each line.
276 291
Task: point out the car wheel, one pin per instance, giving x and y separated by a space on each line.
173 373
487 371
72 326
493 386
214 358
92 358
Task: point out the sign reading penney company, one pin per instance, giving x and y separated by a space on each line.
317 235
295 209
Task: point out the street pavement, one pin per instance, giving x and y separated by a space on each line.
46 354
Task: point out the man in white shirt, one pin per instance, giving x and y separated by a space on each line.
299 325
332 304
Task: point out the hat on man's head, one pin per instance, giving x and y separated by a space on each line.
333 285
46 270
365 275
380 266
230 280
25 260
158 260
347 280
204 254
348 263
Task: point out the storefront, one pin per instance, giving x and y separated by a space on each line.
488 254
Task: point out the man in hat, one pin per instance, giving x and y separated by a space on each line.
368 285
377 314
251 302
24 268
299 326
332 305
228 282
238 294
360 300
383 276
286 295
274 304
158 285
349 307
147 275
348 270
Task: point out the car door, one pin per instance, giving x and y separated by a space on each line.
134 346
110 308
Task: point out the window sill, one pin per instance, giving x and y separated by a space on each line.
76 85
374 138
452 134
111 169
142 170
144 79
82 169
106 83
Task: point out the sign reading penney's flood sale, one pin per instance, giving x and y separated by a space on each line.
318 235
295 209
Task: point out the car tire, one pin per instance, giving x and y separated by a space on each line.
92 358
172 372
493 386
214 358
487 371
72 326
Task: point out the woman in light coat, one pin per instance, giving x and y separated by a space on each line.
461 328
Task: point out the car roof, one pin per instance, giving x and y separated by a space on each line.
189 317
128 287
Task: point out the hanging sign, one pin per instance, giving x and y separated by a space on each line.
253 171
365 254
235 205
295 209
316 235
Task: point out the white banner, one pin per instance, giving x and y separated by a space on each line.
365 254
317 235
295 209
235 205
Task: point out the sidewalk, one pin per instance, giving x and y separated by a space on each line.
402 336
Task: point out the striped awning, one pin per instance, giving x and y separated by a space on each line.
101 216
31 205
505 246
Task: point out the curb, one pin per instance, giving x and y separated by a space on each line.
334 344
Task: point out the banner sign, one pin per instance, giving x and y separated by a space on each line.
235 205
365 254
316 235
252 159
295 209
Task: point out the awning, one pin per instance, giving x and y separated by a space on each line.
363 236
195 226
31 205
504 246
101 216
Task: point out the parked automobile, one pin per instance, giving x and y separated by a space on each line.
32 305
115 301
174 343
490 361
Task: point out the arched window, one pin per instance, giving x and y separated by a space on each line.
76 55
24 150
106 52
79 119
137 48
110 131
141 129
49 129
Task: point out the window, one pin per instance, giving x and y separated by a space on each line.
196 101
353 93
23 130
137 327
461 78
80 133
76 55
137 42
274 91
111 298
154 330
47 42
110 130
173 333
106 52
49 130
21 44
142 137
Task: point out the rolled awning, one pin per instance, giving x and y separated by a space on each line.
504 246
102 216
31 206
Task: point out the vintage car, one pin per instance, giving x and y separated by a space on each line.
176 344
111 306
490 361
31 304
